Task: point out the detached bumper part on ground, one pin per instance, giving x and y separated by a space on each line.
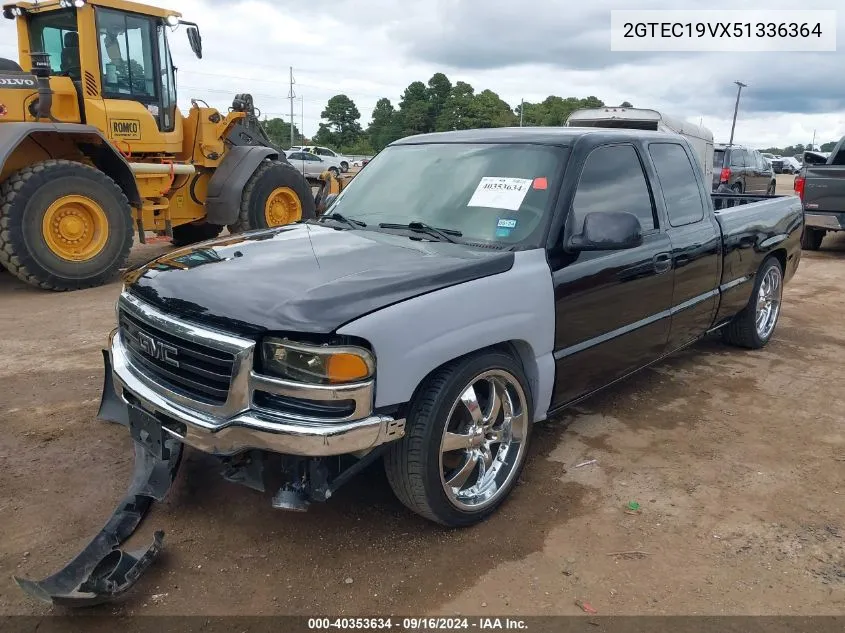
102 572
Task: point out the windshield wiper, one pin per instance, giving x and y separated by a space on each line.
355 224
420 227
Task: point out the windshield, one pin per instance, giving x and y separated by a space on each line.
718 158
489 192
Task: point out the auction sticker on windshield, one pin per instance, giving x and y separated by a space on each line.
500 193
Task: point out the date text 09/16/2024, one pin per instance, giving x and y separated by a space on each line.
418 624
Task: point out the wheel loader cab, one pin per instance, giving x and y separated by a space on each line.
117 56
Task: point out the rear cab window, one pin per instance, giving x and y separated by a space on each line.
613 180
719 158
678 182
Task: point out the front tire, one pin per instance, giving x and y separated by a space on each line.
275 195
812 239
755 325
467 435
771 190
63 225
344 166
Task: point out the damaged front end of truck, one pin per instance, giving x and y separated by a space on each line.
147 354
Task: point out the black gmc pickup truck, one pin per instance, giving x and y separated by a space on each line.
464 286
821 187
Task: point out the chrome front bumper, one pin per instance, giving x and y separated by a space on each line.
238 425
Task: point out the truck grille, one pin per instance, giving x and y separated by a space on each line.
191 369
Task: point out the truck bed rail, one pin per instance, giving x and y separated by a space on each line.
728 200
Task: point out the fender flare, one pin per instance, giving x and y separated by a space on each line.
223 201
90 141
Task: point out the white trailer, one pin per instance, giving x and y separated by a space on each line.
699 137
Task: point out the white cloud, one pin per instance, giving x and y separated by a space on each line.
528 49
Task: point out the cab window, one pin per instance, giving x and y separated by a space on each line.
679 183
613 180
167 84
126 55
54 32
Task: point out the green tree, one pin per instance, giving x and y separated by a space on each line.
361 146
828 147
553 110
343 128
326 136
626 104
385 126
489 110
279 132
458 113
414 109
439 88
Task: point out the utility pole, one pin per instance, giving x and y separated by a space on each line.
521 111
291 96
813 144
740 86
302 119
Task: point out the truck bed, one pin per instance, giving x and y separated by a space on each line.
752 228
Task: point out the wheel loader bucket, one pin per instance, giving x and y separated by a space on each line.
329 187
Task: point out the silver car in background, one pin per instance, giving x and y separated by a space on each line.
311 165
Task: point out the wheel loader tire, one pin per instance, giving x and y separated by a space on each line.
186 234
275 195
63 225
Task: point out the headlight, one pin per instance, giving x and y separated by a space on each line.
316 364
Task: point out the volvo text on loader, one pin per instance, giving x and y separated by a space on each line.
94 149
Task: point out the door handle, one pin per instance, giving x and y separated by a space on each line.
662 262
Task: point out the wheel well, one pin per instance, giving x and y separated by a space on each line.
780 254
518 349
81 146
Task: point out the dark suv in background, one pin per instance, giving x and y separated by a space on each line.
742 170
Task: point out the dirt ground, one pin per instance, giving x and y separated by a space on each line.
736 458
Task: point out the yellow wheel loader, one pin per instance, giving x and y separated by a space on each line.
93 148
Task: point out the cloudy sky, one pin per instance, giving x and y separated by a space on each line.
527 49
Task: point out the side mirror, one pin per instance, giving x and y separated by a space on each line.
607 232
195 40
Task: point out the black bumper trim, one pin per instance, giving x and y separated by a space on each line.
102 571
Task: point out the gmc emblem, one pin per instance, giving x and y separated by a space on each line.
158 349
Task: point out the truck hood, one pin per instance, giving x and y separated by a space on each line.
304 277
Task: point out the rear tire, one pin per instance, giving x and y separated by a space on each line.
344 166
419 465
812 239
269 197
737 187
186 234
754 327
63 225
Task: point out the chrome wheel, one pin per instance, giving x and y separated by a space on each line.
483 442
768 302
